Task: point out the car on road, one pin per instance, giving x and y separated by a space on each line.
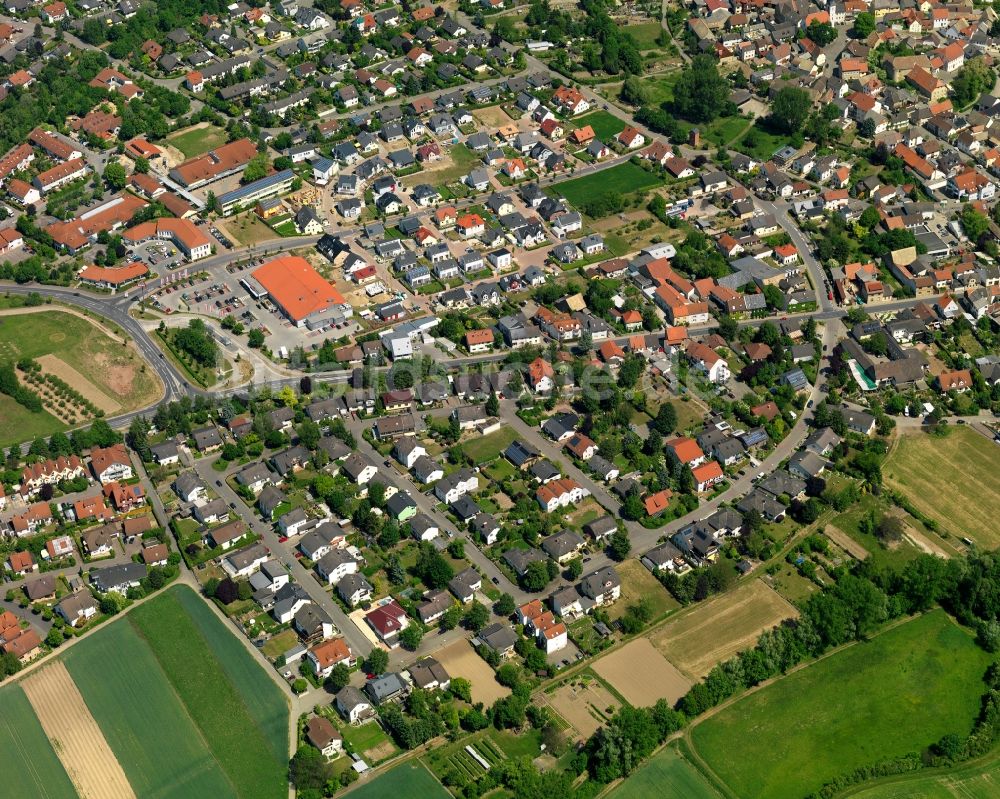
282 539
218 483
496 581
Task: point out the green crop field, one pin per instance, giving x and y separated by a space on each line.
884 698
667 773
624 178
606 125
969 462
264 702
216 702
161 750
409 780
195 141
31 766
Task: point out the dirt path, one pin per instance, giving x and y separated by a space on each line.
75 736
924 544
845 542
64 309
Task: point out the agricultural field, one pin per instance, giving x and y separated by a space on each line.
667 773
638 583
717 629
879 699
606 125
411 780
919 461
23 742
642 675
623 179
162 703
460 660
197 139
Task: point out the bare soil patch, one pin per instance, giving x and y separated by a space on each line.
460 660
845 542
76 738
584 704
642 675
492 117
717 629
53 365
380 752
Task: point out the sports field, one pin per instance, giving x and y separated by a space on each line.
883 698
970 465
32 766
157 705
197 139
717 629
624 179
410 780
665 774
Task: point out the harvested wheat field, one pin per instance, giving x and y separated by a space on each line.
75 736
642 675
715 630
460 660
583 703
54 365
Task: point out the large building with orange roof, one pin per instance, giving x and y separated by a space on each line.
301 292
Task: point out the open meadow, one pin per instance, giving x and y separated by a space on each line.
717 629
164 703
969 462
883 698
978 779
111 374
623 179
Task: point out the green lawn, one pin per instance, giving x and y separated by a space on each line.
645 34
667 773
661 87
606 125
125 693
217 701
33 770
486 448
18 424
969 462
763 143
409 780
194 142
884 698
624 179
850 522
364 737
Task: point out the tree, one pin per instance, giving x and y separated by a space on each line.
451 618
255 338
619 545
114 176
864 25
665 421
255 169
536 576
505 605
701 93
54 638
974 223
309 769
339 677
634 91
823 33
890 529
309 434
493 404
476 617
378 661
790 108
574 568
432 568
411 637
